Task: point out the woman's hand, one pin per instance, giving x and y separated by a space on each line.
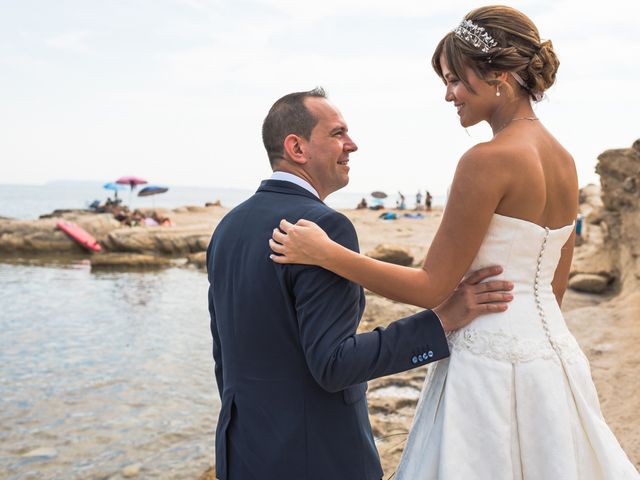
305 242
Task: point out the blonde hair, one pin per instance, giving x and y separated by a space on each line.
518 50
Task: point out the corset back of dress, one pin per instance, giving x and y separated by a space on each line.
529 255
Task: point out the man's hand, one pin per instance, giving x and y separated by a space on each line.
471 299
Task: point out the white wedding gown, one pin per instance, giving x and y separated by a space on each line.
515 400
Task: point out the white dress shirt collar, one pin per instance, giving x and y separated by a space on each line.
290 177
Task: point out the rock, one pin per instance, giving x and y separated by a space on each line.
590 200
208 474
116 261
593 259
43 237
131 470
596 216
176 241
619 171
391 254
43 452
40 239
636 145
587 282
198 259
192 209
590 195
629 185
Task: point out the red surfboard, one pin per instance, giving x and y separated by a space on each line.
80 235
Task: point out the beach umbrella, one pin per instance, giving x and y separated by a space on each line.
132 181
152 190
378 194
115 187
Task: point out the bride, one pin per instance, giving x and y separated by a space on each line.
515 400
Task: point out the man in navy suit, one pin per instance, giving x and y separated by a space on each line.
290 368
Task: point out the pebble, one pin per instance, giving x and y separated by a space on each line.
43 452
586 282
131 470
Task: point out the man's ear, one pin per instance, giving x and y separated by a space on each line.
294 148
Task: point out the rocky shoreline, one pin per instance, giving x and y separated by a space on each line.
123 247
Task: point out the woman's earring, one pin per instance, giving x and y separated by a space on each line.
498 90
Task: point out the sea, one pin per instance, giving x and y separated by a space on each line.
106 375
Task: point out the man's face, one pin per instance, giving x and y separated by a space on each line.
328 148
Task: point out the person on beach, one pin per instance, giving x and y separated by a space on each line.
290 368
427 201
515 400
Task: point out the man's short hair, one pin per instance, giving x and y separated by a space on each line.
287 116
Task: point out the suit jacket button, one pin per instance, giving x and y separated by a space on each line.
420 358
414 360
430 354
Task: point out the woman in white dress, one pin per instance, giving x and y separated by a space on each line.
515 400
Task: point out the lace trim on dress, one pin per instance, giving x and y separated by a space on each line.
499 345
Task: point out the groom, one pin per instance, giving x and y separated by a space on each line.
290 368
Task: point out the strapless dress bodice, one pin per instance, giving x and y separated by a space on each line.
533 326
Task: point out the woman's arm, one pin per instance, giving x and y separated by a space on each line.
561 275
479 184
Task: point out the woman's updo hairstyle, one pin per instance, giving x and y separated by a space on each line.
517 48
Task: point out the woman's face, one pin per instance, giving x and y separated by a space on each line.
472 107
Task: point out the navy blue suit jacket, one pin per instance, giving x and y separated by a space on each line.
290 369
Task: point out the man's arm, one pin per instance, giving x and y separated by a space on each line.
217 353
327 308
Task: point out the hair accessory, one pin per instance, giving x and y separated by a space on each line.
475 35
537 96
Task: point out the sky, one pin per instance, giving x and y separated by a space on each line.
176 91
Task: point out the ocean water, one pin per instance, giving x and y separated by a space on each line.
101 371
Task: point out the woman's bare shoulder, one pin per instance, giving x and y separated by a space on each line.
495 157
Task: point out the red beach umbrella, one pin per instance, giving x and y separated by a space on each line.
131 180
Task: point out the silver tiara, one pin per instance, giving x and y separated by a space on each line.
475 35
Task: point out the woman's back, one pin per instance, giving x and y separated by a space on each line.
543 185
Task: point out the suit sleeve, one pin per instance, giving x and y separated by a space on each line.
328 311
217 353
